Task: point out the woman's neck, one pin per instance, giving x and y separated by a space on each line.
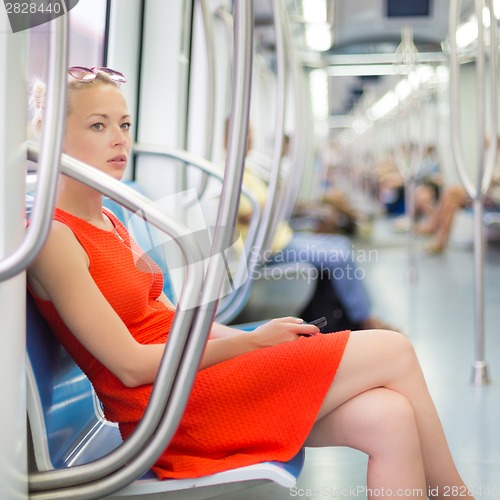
81 201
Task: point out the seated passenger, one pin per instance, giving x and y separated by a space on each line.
427 185
440 221
331 254
259 395
389 186
333 215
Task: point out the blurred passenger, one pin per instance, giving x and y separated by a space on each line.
390 186
440 221
333 256
430 177
334 214
427 188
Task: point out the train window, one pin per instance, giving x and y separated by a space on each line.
86 38
88 25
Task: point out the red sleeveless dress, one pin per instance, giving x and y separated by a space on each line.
256 407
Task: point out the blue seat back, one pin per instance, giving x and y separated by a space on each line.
63 410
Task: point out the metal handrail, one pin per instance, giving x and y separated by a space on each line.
238 128
227 22
194 346
484 174
303 147
292 182
210 89
264 238
166 375
409 162
235 302
228 207
246 265
52 139
281 199
210 83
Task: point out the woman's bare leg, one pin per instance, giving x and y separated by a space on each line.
424 201
431 223
456 199
381 423
382 358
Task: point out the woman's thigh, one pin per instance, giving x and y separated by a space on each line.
376 419
372 358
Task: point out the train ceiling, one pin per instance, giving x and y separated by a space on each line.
362 27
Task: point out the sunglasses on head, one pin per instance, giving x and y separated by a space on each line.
84 74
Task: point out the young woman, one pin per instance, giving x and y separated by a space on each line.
259 395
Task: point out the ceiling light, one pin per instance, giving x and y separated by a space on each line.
319 37
318 79
425 73
383 106
467 33
403 89
360 125
496 8
314 11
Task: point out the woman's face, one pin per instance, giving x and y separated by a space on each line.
98 128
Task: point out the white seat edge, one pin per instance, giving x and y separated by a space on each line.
265 470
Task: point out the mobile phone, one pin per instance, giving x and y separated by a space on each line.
320 322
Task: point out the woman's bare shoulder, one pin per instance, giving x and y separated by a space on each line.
60 257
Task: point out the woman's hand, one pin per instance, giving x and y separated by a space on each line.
280 330
227 343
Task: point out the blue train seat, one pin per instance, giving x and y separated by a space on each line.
64 413
68 427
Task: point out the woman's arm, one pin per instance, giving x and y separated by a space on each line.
229 343
60 274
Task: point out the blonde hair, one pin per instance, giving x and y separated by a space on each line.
37 105
39 91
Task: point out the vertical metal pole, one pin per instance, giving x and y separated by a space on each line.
409 162
210 103
416 158
484 165
298 156
479 374
265 235
479 368
13 454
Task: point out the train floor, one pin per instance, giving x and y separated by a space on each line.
435 310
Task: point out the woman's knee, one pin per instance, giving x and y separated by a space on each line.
392 341
402 352
378 421
391 411
372 359
392 422
391 351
